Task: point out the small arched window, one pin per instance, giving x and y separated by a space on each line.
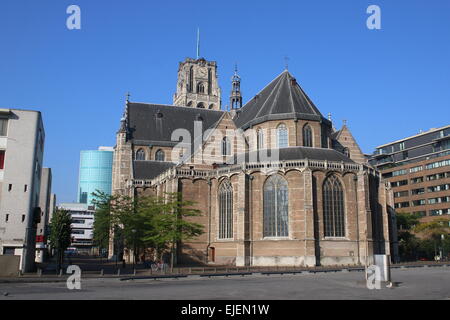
226 146
226 211
211 106
201 105
200 87
159 155
260 139
276 217
307 136
346 152
333 208
140 154
282 136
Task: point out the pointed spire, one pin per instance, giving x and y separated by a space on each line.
236 97
286 63
124 119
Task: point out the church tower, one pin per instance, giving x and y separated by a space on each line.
198 85
236 96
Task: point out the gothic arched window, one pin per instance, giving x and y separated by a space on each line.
226 147
226 211
200 87
159 155
201 105
140 154
260 139
276 218
333 208
307 136
282 136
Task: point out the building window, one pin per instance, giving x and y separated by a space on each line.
201 105
7 218
226 211
2 159
200 87
160 156
3 127
140 154
417 180
415 192
346 152
307 136
23 218
226 147
416 169
282 136
260 139
276 215
438 164
333 208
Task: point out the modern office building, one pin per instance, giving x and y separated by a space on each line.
82 216
95 173
45 204
418 169
22 139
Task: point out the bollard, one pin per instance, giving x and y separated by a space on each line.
39 272
134 272
60 272
101 273
118 272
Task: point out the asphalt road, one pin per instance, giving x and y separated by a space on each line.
416 283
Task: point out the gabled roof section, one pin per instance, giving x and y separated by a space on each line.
281 99
154 124
145 170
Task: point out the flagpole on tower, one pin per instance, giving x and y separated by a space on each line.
198 43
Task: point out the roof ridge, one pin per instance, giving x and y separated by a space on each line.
267 85
275 89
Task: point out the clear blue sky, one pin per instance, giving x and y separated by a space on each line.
387 84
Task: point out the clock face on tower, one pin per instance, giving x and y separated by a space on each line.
202 72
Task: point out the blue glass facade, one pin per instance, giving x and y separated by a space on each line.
95 174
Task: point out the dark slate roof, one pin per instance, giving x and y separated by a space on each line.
150 169
155 123
336 134
283 98
299 153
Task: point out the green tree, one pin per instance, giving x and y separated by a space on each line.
60 232
102 219
434 231
408 242
168 222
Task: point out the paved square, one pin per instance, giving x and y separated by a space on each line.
415 283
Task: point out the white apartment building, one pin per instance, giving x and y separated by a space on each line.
45 203
22 139
82 225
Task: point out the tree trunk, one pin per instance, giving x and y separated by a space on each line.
171 256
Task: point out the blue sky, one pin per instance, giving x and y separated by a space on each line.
388 83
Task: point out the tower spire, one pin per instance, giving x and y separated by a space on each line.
198 43
236 96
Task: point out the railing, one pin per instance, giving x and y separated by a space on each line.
246 167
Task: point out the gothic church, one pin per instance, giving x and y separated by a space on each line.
276 183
